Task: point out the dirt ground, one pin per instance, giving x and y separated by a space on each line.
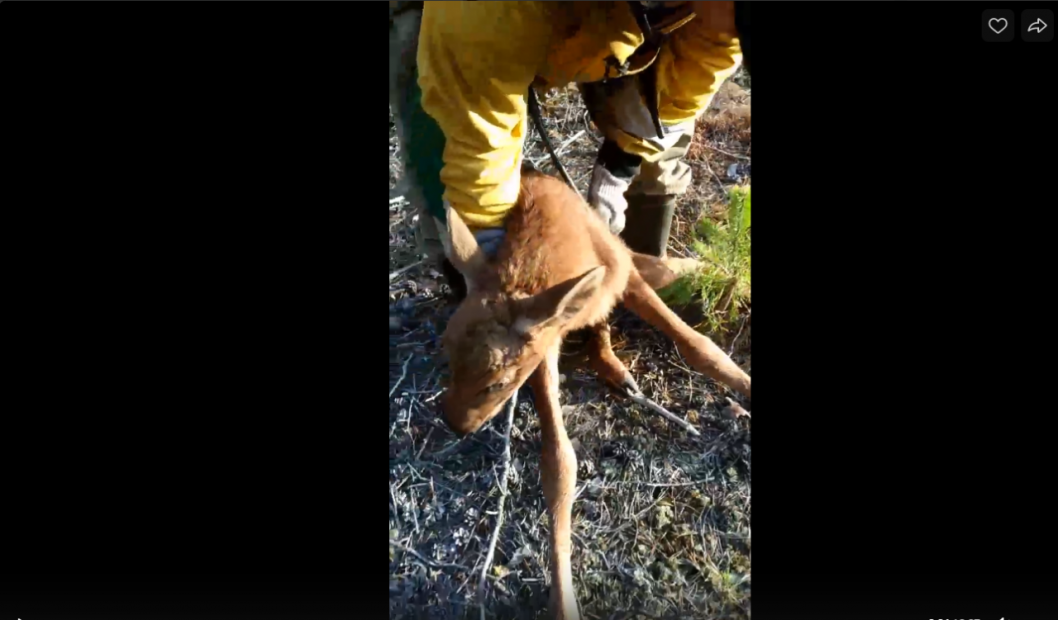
662 518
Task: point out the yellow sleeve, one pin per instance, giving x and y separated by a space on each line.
476 62
691 68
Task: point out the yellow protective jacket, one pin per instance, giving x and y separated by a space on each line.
476 61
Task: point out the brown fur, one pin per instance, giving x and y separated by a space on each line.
559 269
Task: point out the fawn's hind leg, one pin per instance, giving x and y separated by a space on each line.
701 352
661 272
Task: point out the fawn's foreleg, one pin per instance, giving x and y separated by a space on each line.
559 477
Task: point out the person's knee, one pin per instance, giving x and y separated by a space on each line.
669 178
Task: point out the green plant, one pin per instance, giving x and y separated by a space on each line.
722 284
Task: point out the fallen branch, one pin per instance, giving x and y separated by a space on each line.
397 273
642 400
511 404
619 483
403 373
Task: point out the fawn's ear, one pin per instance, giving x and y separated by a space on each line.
462 248
560 302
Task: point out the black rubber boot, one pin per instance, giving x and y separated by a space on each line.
648 221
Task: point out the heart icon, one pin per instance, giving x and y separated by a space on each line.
997 24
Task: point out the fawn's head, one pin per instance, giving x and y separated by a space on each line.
497 338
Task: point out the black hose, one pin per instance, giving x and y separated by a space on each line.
534 112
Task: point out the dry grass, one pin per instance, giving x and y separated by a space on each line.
662 519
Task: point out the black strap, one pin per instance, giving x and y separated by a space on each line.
647 80
639 12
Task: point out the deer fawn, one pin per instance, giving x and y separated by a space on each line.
559 269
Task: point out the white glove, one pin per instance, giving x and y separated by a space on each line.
606 195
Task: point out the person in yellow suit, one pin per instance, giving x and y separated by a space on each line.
460 74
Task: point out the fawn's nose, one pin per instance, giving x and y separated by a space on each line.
461 425
455 428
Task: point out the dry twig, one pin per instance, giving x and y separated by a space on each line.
734 341
403 373
561 150
511 404
639 399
